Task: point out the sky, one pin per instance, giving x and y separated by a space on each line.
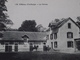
42 11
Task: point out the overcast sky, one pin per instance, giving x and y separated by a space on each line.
42 14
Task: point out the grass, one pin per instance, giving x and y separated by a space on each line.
39 56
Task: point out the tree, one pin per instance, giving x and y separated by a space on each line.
3 17
78 20
2 8
54 23
56 20
28 25
2 26
40 28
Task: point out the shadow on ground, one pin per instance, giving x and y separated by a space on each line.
39 56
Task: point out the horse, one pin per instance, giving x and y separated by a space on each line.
35 47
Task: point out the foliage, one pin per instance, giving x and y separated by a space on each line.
3 16
2 8
57 20
28 25
2 26
54 23
40 28
78 20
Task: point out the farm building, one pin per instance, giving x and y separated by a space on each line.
63 36
11 41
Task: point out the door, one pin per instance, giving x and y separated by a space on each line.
6 47
10 48
78 45
16 47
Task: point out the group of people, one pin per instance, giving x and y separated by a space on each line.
46 48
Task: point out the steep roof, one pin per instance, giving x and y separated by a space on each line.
55 27
64 21
61 23
17 35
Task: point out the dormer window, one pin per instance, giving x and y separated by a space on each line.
69 25
25 38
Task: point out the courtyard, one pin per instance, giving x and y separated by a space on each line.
39 56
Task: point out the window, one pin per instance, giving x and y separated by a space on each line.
47 37
55 35
69 25
55 44
51 36
69 35
25 38
52 45
70 44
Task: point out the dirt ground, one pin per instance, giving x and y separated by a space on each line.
39 56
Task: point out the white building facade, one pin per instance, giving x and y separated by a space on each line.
17 41
62 35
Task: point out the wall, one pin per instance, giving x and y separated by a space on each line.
22 47
62 37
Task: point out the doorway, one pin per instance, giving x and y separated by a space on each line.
78 45
8 47
16 47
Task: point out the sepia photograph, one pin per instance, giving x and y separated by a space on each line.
39 29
